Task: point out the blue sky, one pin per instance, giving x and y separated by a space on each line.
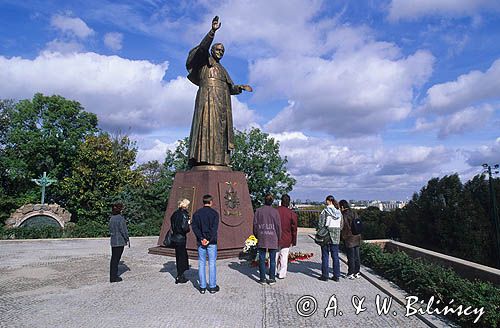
369 99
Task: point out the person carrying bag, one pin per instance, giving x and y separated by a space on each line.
328 237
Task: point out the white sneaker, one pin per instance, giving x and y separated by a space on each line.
357 275
351 277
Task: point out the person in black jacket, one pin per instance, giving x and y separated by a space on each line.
179 222
205 226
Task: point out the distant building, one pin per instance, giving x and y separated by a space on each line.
381 205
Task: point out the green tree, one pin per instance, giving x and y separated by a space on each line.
41 134
146 202
448 217
100 174
257 154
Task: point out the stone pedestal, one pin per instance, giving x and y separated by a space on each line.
231 200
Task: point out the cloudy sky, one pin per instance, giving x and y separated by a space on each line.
369 99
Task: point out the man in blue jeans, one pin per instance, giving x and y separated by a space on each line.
205 224
267 229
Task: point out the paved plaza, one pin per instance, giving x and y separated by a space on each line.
64 283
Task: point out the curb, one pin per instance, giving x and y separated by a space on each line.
398 294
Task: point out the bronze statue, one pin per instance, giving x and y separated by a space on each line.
211 139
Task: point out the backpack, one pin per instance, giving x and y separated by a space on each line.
356 225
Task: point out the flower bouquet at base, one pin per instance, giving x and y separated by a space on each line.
298 256
249 249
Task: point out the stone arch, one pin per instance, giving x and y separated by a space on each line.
47 214
29 211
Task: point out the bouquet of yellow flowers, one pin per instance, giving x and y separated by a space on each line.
250 244
250 248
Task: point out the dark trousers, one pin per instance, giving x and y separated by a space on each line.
353 261
262 263
116 255
326 251
181 259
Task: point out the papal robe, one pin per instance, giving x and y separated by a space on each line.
212 138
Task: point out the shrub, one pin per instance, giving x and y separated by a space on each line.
88 229
308 218
31 232
425 279
145 228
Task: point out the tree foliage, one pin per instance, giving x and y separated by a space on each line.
101 172
258 156
37 135
445 216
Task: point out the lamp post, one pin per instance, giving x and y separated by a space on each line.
493 201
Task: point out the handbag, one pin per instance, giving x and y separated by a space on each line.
322 236
167 242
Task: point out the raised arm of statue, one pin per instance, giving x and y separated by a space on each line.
215 24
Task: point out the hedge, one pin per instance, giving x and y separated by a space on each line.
308 218
90 229
424 279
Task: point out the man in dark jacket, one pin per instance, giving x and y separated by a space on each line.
267 229
288 219
205 224
119 238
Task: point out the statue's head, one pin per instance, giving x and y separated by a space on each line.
217 51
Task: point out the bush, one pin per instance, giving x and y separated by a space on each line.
424 279
31 232
145 228
308 218
88 229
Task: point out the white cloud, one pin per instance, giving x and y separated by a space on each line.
61 46
413 9
485 154
263 27
153 150
73 26
464 121
113 40
355 93
323 166
243 117
468 89
469 119
411 160
124 93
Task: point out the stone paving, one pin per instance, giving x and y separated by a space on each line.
64 283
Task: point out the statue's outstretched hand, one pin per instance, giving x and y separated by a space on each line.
246 87
215 23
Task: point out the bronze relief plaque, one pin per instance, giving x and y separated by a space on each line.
230 209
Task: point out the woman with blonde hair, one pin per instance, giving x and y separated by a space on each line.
179 223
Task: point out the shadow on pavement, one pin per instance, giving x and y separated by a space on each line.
170 268
122 268
308 268
191 274
244 267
